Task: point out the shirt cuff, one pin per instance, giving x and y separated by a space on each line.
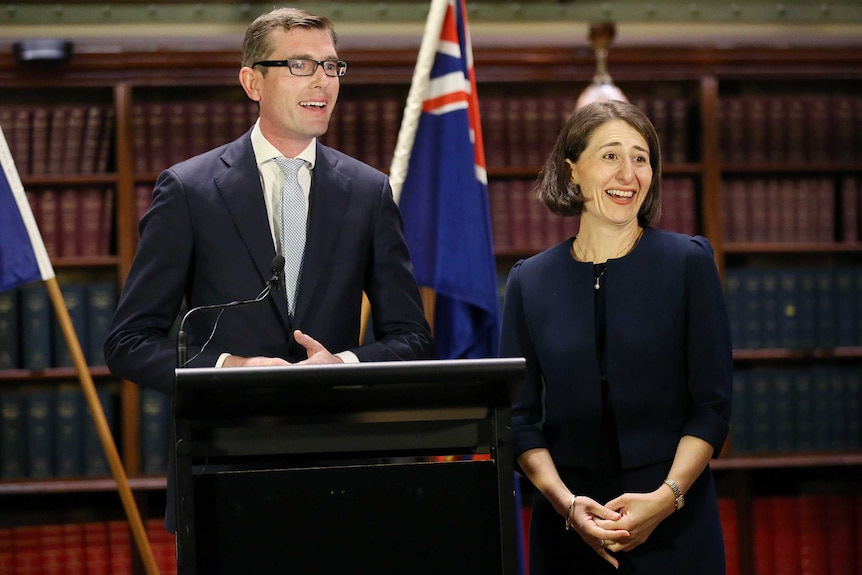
347 357
221 359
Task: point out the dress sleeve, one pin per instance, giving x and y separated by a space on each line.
515 341
709 348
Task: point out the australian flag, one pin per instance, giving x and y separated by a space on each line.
444 202
23 258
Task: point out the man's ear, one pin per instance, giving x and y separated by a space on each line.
249 79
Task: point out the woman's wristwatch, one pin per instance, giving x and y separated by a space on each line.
679 498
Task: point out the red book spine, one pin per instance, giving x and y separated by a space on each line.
737 210
500 223
660 116
71 155
818 136
805 202
55 135
785 535
756 192
670 205
52 549
824 192
733 133
756 123
856 503
539 220
156 146
143 198
106 140
515 130
795 122
240 119
96 555
776 120
390 110
7 551
218 132
841 128
90 221
28 556
773 216
370 132
526 516
813 538
843 536
850 209
494 130
92 133
857 125
21 142
48 211
39 140
552 115
198 133
518 196
140 141
120 548
763 537
679 138
74 549
534 154
687 207
348 127
106 217
790 220
730 530
70 232
164 546
177 132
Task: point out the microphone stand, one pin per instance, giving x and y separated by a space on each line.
182 338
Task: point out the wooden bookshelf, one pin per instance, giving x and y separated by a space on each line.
701 76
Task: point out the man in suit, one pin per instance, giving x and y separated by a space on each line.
214 229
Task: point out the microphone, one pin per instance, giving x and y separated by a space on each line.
277 268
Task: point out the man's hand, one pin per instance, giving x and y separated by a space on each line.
238 361
317 354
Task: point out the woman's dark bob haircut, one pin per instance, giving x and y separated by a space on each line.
555 188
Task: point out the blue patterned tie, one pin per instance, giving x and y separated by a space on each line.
293 227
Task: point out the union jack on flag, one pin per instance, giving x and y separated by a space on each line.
444 201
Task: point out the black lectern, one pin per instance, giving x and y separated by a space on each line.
337 468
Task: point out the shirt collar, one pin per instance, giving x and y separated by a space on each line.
265 152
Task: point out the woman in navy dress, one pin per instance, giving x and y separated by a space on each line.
629 362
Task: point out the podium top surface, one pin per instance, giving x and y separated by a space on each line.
210 392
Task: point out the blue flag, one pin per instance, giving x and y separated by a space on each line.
23 258
444 202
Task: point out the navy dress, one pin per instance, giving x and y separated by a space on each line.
615 378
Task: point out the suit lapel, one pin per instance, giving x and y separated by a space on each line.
330 195
239 186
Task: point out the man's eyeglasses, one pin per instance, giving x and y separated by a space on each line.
307 66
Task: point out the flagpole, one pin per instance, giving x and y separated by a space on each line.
407 132
45 272
418 88
102 427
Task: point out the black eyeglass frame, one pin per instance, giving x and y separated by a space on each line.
340 70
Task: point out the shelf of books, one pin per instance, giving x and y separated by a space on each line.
760 150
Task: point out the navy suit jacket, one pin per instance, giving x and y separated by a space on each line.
206 239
